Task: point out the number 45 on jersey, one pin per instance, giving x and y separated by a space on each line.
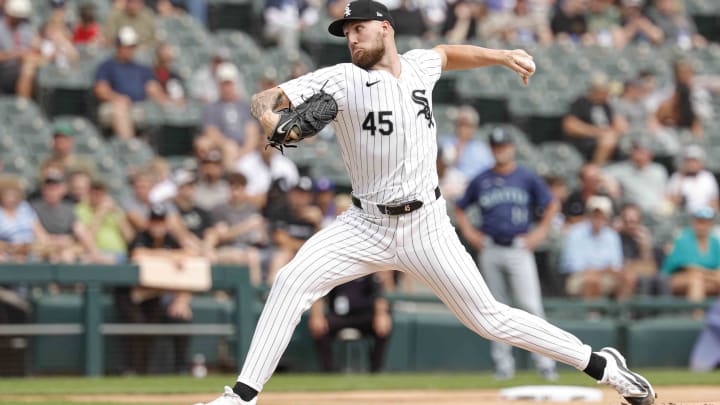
379 121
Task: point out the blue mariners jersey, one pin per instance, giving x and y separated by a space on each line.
507 202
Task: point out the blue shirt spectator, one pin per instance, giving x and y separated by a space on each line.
474 158
589 247
686 252
20 227
125 77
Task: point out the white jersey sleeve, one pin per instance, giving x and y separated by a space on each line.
428 62
331 79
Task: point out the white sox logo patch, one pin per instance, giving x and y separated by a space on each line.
418 96
347 10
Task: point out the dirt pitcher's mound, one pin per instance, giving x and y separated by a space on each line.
685 395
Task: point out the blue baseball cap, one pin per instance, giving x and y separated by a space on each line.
704 213
324 184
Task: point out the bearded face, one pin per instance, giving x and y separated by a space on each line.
368 56
365 42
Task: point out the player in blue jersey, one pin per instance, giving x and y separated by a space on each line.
509 196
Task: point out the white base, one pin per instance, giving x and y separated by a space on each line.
559 393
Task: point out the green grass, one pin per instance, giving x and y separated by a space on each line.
313 382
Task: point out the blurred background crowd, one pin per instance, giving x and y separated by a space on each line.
126 126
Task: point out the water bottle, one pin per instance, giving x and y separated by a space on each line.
199 370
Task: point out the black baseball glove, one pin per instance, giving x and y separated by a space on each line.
305 120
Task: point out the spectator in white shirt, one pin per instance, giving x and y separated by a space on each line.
262 167
693 187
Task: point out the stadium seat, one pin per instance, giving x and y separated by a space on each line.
561 158
661 342
233 14
132 153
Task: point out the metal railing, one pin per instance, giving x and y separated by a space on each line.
93 329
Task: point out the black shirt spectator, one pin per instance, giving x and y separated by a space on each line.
570 19
356 306
409 21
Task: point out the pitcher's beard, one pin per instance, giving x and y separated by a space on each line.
369 57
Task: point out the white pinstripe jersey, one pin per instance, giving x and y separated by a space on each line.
385 127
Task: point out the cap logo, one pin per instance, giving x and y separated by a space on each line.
347 10
379 14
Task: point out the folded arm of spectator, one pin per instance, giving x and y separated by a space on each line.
230 233
285 241
12 54
574 126
156 93
187 239
104 92
643 26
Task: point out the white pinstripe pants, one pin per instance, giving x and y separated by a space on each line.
422 243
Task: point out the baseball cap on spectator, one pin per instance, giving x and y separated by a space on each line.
127 36
304 184
227 72
361 10
158 212
704 213
57 3
182 177
324 184
694 152
213 156
500 136
18 8
63 130
599 203
54 176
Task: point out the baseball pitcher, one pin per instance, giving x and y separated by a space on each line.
382 108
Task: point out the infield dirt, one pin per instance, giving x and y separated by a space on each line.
681 395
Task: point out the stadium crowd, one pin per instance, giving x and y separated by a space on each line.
244 204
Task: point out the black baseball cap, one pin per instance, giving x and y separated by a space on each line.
500 136
361 10
157 212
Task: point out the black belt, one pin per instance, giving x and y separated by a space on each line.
503 242
397 209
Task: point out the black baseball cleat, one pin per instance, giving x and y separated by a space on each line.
633 387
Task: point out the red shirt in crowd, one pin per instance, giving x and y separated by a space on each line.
86 33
